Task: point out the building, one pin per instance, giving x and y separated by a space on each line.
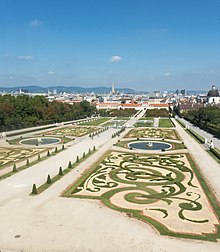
213 96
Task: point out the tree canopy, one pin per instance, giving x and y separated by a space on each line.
24 111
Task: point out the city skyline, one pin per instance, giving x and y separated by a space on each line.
141 45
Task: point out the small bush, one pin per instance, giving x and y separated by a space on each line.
14 168
60 171
49 179
70 165
34 189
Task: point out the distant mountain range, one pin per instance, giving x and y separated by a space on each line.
38 89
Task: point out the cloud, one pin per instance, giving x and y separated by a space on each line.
51 72
167 74
115 58
26 57
35 22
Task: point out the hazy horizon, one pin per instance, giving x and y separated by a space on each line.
142 45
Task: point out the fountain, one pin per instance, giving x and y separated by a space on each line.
150 145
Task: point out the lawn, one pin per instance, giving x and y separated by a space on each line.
166 123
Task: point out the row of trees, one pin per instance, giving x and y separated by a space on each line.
24 111
207 118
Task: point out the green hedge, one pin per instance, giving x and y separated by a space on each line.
197 136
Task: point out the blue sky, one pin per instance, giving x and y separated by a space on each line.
140 44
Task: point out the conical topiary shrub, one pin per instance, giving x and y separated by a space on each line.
27 162
84 154
77 159
89 151
63 147
48 153
49 179
38 157
14 168
60 171
56 150
94 148
34 189
70 164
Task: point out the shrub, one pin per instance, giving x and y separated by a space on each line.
77 159
49 179
38 157
34 189
14 168
63 147
60 171
48 153
84 155
27 162
70 164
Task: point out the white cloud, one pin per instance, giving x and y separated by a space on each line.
36 22
51 72
26 57
115 58
167 74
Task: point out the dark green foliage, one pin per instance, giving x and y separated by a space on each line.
56 150
70 165
157 113
63 147
60 171
14 168
84 155
89 151
38 157
27 162
215 152
34 189
77 159
48 153
49 179
207 118
94 148
25 111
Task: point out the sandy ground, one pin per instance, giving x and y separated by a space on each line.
48 222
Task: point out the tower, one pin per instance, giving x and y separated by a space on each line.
113 88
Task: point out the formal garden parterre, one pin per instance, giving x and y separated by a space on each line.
164 190
153 133
76 131
13 155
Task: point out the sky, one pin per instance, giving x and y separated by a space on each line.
141 44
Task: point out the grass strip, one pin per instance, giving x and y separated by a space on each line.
199 138
21 168
54 179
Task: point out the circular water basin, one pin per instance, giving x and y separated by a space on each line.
37 141
150 145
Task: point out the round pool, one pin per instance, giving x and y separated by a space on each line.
150 145
37 141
